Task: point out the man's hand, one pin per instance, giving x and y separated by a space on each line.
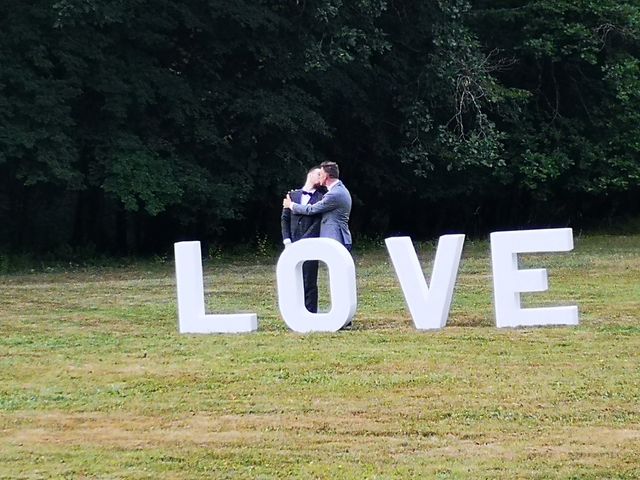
286 203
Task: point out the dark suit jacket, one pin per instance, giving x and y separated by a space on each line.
296 226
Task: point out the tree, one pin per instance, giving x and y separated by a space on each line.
125 126
572 146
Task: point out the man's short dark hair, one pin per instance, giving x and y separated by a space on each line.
331 169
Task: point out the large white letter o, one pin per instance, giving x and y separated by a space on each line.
342 285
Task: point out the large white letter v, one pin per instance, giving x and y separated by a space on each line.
429 306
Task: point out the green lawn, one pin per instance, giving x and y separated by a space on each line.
95 381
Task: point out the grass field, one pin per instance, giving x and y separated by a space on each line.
95 381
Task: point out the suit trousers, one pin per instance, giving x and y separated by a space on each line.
310 281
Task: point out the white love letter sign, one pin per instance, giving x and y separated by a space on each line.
509 282
429 305
342 285
191 312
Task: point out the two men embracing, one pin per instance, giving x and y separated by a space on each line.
321 208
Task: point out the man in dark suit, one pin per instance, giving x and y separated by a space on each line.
296 227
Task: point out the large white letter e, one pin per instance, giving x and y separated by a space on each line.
509 282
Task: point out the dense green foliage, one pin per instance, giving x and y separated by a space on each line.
125 126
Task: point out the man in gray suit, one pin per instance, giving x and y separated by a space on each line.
335 206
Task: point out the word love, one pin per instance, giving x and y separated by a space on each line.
428 304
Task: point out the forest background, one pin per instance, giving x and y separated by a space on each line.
128 125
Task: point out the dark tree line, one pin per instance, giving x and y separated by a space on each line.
128 125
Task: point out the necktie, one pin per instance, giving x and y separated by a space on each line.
305 198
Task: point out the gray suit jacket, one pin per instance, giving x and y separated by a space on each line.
335 208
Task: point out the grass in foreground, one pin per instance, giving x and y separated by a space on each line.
95 382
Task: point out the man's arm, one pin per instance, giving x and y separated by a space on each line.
329 202
285 225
